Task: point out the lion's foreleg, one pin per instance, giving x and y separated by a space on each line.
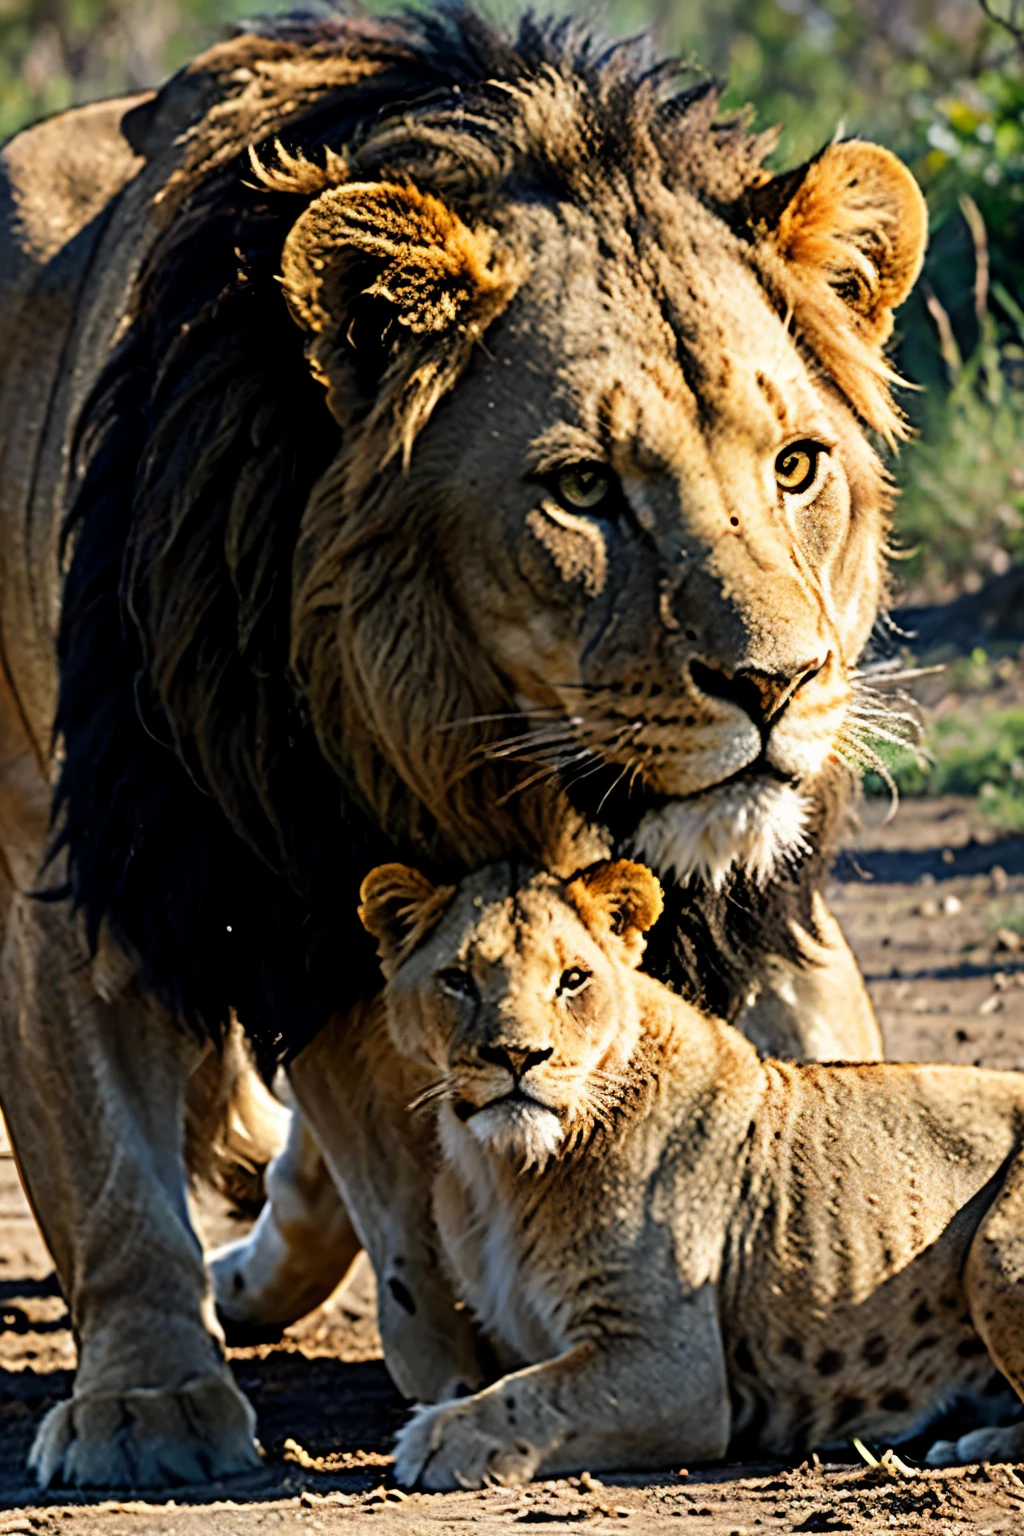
819 1011
356 1091
93 1078
302 1244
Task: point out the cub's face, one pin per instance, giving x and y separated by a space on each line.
520 997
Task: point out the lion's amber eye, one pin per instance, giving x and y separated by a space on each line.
796 467
572 981
457 982
584 486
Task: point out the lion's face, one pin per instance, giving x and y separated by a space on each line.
518 996
646 498
674 558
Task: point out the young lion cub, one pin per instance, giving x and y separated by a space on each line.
678 1249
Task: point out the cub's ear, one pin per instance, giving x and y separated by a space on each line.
850 230
367 256
620 898
399 906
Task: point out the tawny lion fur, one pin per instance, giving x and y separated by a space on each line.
314 363
676 1249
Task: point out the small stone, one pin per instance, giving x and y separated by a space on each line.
948 856
927 879
998 879
591 1483
1000 981
1008 940
952 905
993 1004
929 908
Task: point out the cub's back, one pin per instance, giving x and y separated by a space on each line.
854 1169
859 1195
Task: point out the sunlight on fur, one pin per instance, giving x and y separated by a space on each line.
750 827
527 1134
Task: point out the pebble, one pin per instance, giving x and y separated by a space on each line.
1008 940
998 879
993 1004
952 905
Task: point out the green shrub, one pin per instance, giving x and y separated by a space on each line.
968 754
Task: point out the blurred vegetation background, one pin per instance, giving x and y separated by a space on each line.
941 82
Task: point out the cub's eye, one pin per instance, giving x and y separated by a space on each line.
572 981
796 467
458 983
584 486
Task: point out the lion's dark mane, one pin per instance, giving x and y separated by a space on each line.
196 811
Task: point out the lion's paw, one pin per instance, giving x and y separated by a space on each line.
448 1445
990 1444
148 1437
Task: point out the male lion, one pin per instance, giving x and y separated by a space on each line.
411 439
679 1249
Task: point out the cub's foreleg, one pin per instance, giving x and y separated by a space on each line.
619 1402
93 1077
356 1092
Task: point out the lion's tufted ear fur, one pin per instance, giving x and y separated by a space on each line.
849 230
399 906
406 249
621 898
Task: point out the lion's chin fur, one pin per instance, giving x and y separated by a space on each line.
752 827
525 1134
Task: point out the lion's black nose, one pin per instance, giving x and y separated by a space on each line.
764 695
513 1058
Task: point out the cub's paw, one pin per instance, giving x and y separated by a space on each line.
980 1445
448 1445
148 1437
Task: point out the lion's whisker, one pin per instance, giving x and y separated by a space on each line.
506 714
439 1090
611 788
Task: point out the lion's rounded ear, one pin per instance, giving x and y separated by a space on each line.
621 898
850 229
399 906
365 256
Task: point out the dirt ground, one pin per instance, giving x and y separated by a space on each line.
932 904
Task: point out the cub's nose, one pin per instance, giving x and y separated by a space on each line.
763 695
513 1058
